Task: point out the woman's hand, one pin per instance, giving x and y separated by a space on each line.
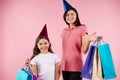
92 37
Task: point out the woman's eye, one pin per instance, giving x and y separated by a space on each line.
72 14
67 14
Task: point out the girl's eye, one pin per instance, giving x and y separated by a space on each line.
40 43
45 43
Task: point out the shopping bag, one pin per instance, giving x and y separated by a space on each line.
34 77
87 69
23 74
97 69
107 61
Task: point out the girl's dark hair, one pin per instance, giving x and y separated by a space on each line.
77 22
36 50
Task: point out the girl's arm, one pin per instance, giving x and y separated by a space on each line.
86 41
57 70
34 69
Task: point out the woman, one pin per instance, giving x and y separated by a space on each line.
75 40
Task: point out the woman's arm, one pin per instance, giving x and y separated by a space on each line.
57 70
85 43
86 39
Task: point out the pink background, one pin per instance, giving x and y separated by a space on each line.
22 20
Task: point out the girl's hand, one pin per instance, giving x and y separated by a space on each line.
93 37
27 61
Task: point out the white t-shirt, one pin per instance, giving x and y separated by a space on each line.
46 65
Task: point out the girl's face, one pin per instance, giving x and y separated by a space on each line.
43 45
71 17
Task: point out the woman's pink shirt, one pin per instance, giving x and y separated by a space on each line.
71 48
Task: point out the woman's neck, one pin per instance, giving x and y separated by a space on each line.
71 26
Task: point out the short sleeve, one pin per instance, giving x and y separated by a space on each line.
84 30
33 61
57 58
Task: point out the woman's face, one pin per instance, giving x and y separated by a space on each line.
43 45
71 17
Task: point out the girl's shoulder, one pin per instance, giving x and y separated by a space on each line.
36 56
54 54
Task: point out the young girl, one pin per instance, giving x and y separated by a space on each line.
44 63
75 40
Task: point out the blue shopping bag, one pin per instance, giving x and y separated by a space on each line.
34 77
23 74
107 61
88 67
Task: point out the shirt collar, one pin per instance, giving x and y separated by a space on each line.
68 29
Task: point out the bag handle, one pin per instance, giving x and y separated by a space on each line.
98 39
102 41
26 67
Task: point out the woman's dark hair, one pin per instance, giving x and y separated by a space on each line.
36 50
77 22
